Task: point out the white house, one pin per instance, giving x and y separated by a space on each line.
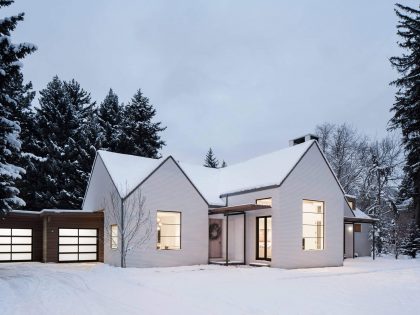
285 209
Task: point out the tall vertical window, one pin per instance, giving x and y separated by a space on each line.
264 238
168 230
313 225
114 236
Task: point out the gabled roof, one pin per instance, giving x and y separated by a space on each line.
129 171
260 172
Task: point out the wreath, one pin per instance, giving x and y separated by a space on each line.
215 230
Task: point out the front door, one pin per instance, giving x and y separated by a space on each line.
264 238
215 236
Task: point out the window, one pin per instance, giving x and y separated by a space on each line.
264 202
312 225
357 227
114 236
168 230
264 238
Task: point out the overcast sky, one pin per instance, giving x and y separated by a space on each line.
243 77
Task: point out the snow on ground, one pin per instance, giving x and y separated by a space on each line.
362 286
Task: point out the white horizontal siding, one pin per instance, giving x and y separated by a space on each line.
168 189
311 179
97 197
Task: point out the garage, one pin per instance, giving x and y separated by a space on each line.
15 244
77 245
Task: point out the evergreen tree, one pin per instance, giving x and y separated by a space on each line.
64 139
11 96
109 119
140 135
406 108
210 160
224 164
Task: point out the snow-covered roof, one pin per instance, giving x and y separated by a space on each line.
128 171
263 171
360 214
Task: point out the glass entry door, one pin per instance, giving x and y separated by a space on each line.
264 238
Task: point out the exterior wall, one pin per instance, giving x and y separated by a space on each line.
362 242
71 221
236 224
100 186
27 221
167 189
311 179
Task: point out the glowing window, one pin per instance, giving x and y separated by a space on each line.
168 230
264 202
114 236
312 225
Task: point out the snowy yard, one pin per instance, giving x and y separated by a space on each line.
362 286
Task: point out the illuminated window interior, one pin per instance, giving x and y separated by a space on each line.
114 236
168 230
313 225
264 238
264 202
357 227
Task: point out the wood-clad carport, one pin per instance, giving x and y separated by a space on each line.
233 211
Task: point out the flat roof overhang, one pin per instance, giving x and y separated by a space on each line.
238 209
359 220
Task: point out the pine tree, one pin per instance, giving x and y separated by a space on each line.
406 108
224 164
65 140
11 96
110 118
140 135
210 160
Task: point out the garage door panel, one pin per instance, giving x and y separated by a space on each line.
68 257
22 248
5 257
68 232
77 245
15 244
68 248
21 232
5 240
21 240
87 248
5 248
5 232
89 256
87 232
21 256
87 240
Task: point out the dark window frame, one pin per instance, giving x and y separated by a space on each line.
257 237
159 236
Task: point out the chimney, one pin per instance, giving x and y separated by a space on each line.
303 139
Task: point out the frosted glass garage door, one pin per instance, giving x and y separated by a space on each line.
77 245
15 244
